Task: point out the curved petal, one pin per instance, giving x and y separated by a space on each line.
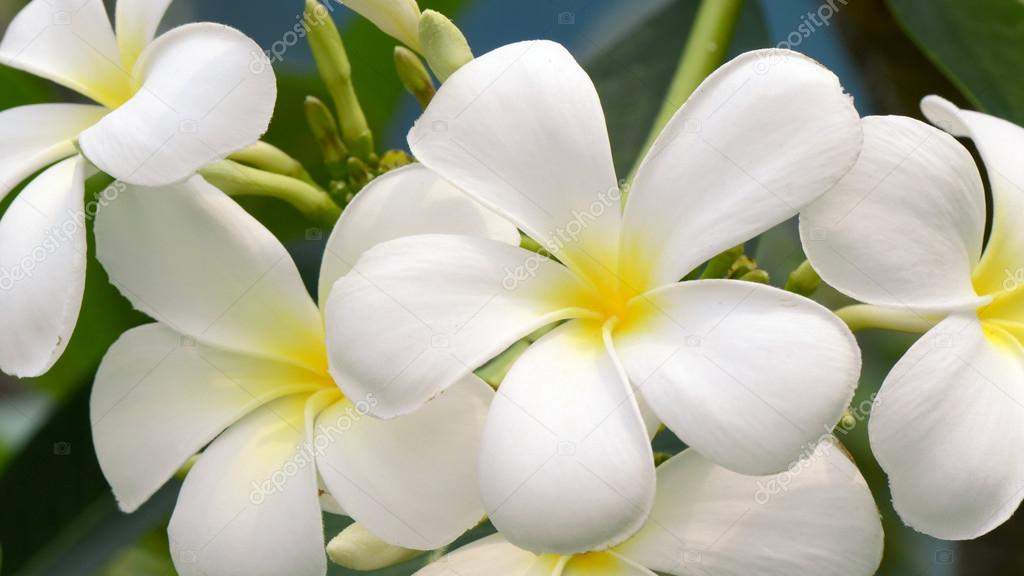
946 427
761 138
207 91
160 397
42 269
69 42
137 21
190 257
915 189
32 137
405 202
397 18
522 130
816 518
566 465
410 480
490 556
748 375
997 141
249 505
418 313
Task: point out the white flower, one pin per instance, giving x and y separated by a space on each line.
166 108
818 518
744 373
905 230
237 364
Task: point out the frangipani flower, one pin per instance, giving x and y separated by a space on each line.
817 518
237 363
746 374
905 230
166 107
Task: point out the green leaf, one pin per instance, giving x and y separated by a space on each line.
633 75
977 44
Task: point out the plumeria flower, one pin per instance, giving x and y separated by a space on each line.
818 518
905 230
746 374
236 363
164 108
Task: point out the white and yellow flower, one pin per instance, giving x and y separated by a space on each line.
237 364
165 108
746 374
905 230
818 518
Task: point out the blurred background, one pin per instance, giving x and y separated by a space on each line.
58 516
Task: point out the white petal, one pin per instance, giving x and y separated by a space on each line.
412 480
159 397
748 375
190 257
947 426
418 313
137 21
521 129
490 556
42 269
405 202
71 43
904 227
398 18
249 505
816 518
762 137
998 141
566 465
32 137
207 91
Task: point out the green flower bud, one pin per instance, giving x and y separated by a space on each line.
325 131
804 280
414 75
443 44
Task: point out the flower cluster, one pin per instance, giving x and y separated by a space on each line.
511 237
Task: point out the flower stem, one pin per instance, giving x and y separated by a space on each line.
863 316
272 159
239 180
704 52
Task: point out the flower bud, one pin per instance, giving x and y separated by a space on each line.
325 131
336 72
414 75
804 280
356 548
443 44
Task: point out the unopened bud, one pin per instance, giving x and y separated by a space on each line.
356 548
414 75
804 280
336 72
757 275
720 265
443 44
325 130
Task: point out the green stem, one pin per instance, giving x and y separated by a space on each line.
239 180
704 52
272 159
862 316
